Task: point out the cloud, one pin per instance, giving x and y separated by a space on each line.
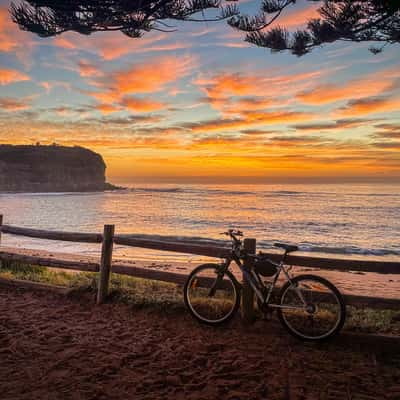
387 131
333 125
231 93
8 40
106 108
371 85
125 121
113 45
395 145
256 84
370 106
12 39
8 76
257 132
298 17
11 104
49 85
287 141
141 104
152 76
87 69
248 119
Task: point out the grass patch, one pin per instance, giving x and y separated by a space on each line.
368 320
127 289
144 292
35 273
169 297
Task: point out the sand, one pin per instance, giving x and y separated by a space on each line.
54 347
358 283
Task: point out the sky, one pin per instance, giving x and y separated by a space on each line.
202 105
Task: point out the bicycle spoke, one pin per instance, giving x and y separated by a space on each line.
319 317
212 298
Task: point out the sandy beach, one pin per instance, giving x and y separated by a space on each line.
54 347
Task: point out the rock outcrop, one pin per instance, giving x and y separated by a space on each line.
51 169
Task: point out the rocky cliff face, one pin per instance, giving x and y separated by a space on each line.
51 169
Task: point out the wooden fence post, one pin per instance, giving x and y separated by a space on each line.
105 263
1 224
248 313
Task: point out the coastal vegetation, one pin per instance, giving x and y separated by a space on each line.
167 297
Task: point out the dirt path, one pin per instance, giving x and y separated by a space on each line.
52 347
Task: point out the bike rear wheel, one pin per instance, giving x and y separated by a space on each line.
323 314
211 296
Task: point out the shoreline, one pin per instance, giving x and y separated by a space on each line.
108 187
358 283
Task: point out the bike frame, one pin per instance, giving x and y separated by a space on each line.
256 282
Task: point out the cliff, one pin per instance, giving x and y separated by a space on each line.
51 169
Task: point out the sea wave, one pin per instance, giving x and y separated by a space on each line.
351 250
344 250
157 190
269 245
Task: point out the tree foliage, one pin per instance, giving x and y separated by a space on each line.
131 17
345 20
340 20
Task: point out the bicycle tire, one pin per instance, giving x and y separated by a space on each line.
338 325
235 302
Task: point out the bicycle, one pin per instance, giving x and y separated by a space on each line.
309 306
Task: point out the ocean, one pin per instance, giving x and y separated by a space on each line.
362 219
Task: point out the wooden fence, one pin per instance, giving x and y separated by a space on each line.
105 266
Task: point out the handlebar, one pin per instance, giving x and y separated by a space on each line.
231 232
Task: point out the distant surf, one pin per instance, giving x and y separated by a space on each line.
343 219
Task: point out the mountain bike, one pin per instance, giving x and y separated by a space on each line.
308 306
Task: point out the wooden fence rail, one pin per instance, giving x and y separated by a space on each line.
53 235
108 238
299 259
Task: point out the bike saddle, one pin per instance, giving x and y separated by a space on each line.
288 247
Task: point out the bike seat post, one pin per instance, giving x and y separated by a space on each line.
284 256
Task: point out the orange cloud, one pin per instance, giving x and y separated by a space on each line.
250 119
113 45
13 39
370 106
141 105
256 84
229 84
8 41
9 76
86 69
371 85
337 125
65 42
257 91
297 17
106 108
149 77
10 104
152 76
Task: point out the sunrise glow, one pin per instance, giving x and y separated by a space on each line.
201 104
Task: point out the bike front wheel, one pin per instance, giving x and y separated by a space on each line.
212 296
311 308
